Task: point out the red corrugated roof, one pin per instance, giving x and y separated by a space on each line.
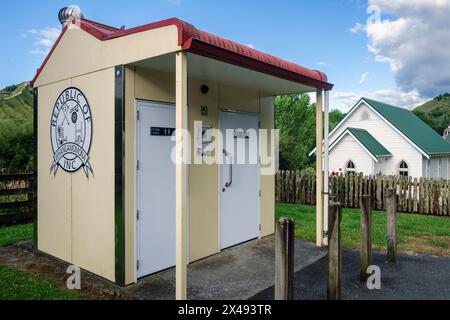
206 44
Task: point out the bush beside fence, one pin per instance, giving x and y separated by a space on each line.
16 198
422 196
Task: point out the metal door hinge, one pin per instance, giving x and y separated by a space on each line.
137 114
137 264
260 193
138 165
260 227
137 215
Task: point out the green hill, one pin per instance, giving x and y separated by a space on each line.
436 113
16 103
16 128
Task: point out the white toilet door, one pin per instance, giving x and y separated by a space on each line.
240 178
155 187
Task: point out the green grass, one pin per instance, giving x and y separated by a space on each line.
415 233
19 285
16 284
15 234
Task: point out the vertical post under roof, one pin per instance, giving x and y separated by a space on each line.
319 175
181 176
326 173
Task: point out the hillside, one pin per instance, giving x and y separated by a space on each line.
16 129
16 103
436 113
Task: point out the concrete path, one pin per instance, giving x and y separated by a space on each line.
247 272
417 277
234 274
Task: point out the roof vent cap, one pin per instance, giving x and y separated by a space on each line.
68 12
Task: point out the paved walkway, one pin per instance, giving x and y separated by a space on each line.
417 277
247 272
236 273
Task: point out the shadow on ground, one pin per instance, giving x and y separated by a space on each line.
247 271
417 277
233 274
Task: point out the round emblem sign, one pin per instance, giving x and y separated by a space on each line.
71 132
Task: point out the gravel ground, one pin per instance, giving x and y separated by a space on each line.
247 271
414 277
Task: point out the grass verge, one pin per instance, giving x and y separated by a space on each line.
15 234
16 284
415 233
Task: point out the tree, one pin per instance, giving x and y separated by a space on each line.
295 116
16 147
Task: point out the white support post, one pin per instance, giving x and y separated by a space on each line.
326 162
319 175
181 176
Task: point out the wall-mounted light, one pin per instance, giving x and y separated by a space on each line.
204 89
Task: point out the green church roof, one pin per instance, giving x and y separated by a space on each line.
369 142
412 127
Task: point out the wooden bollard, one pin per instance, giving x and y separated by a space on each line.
366 236
284 259
334 251
391 210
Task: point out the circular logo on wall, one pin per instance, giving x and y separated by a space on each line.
71 132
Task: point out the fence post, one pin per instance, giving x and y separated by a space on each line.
334 251
366 236
391 209
284 259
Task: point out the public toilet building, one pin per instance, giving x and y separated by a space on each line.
110 197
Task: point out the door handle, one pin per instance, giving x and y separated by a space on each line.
230 177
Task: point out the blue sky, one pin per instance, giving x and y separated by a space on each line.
313 33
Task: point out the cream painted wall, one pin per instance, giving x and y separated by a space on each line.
93 228
203 179
268 181
54 192
76 214
68 60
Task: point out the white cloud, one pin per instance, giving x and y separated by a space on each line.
43 39
415 43
322 63
408 100
39 52
357 28
250 45
364 78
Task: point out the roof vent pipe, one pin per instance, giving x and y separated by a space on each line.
68 12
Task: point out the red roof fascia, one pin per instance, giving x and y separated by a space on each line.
203 43
318 80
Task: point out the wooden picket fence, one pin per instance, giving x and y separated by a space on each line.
422 196
16 198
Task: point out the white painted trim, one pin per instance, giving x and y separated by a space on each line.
335 142
340 123
357 105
